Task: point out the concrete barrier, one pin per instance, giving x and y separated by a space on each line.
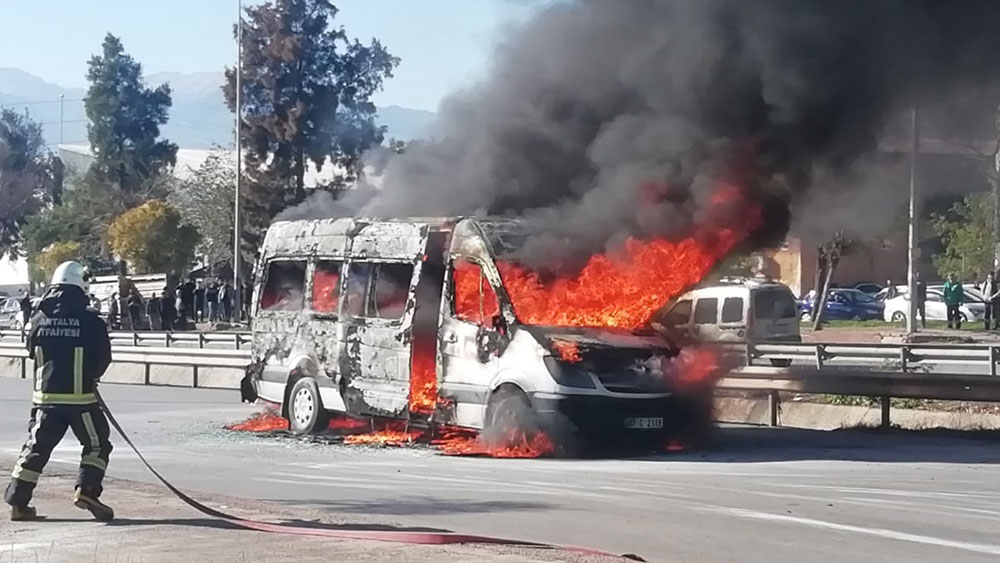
820 416
179 376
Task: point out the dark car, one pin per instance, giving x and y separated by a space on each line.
845 304
869 288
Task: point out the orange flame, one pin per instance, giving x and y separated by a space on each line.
624 290
460 442
423 374
266 421
567 351
469 284
385 438
692 366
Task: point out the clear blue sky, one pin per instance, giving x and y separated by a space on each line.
443 44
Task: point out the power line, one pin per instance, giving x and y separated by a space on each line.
37 102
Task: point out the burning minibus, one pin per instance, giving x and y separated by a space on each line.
433 321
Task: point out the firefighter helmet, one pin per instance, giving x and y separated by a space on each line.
72 273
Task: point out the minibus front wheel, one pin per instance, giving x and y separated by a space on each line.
510 419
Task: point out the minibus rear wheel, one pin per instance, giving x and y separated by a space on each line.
306 414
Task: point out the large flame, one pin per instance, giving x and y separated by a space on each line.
624 290
423 375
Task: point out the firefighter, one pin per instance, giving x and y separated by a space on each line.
71 350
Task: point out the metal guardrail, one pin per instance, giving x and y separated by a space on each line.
237 340
149 357
885 371
904 356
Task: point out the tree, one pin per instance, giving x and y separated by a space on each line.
30 177
966 233
57 253
828 257
205 201
125 118
306 95
152 239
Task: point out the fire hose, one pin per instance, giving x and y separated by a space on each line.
422 538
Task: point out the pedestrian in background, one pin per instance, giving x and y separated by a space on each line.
153 308
226 298
185 309
199 302
168 309
890 290
113 318
921 301
212 301
953 296
991 299
134 303
25 308
95 303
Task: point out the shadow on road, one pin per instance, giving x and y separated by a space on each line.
750 444
425 506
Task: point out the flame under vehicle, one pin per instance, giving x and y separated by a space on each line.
413 319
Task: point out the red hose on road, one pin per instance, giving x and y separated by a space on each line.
423 538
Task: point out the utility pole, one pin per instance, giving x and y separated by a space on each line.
911 277
996 196
237 286
62 98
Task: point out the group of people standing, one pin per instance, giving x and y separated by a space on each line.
174 309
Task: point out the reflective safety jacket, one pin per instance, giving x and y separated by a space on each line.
70 347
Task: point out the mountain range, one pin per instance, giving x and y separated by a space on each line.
199 117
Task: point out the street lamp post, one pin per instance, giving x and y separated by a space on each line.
237 286
911 278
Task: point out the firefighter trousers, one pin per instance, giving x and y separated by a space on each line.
47 428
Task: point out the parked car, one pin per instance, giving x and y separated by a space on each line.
883 293
845 304
870 288
972 308
10 313
739 311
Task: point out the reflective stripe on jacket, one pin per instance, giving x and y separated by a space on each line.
70 348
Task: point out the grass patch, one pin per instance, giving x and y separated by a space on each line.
865 401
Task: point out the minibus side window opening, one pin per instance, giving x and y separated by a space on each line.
391 290
378 290
285 287
326 287
473 299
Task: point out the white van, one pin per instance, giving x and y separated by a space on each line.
410 319
735 310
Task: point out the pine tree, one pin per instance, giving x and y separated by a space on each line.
125 118
306 96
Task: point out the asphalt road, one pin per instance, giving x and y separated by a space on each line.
759 494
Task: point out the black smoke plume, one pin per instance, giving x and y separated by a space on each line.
593 101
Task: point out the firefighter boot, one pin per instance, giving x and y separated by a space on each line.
23 513
101 511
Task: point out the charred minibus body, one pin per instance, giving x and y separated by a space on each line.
410 319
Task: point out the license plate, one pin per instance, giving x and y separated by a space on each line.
645 423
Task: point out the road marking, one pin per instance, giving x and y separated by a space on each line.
988 549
